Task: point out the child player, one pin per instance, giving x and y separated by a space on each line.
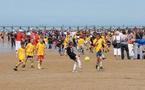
40 50
21 57
30 48
99 43
81 45
74 56
65 43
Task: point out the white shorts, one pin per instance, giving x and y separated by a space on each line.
18 45
117 51
131 51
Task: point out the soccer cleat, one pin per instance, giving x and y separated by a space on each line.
96 66
39 68
15 69
32 66
23 66
74 71
101 67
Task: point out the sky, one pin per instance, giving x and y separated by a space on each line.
72 12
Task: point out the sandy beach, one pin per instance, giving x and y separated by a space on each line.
74 44
57 75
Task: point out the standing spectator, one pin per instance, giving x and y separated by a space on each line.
50 42
124 45
131 36
8 36
116 45
2 34
19 37
13 37
137 47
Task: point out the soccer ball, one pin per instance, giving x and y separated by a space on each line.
87 59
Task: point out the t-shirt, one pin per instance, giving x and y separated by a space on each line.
80 42
140 41
29 49
139 35
124 39
35 38
117 38
40 48
98 44
19 36
130 37
66 41
70 51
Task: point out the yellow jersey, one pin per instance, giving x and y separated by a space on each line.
103 37
81 41
30 49
66 41
87 39
46 40
21 54
98 44
40 49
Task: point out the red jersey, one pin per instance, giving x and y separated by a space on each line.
35 38
19 36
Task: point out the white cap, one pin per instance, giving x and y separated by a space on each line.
20 30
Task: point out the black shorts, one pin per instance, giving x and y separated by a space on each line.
118 45
72 56
2 37
29 57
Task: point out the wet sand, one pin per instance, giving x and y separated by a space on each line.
57 75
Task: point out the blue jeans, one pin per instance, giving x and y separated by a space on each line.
61 49
138 51
49 46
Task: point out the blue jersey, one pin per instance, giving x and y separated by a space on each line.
140 41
